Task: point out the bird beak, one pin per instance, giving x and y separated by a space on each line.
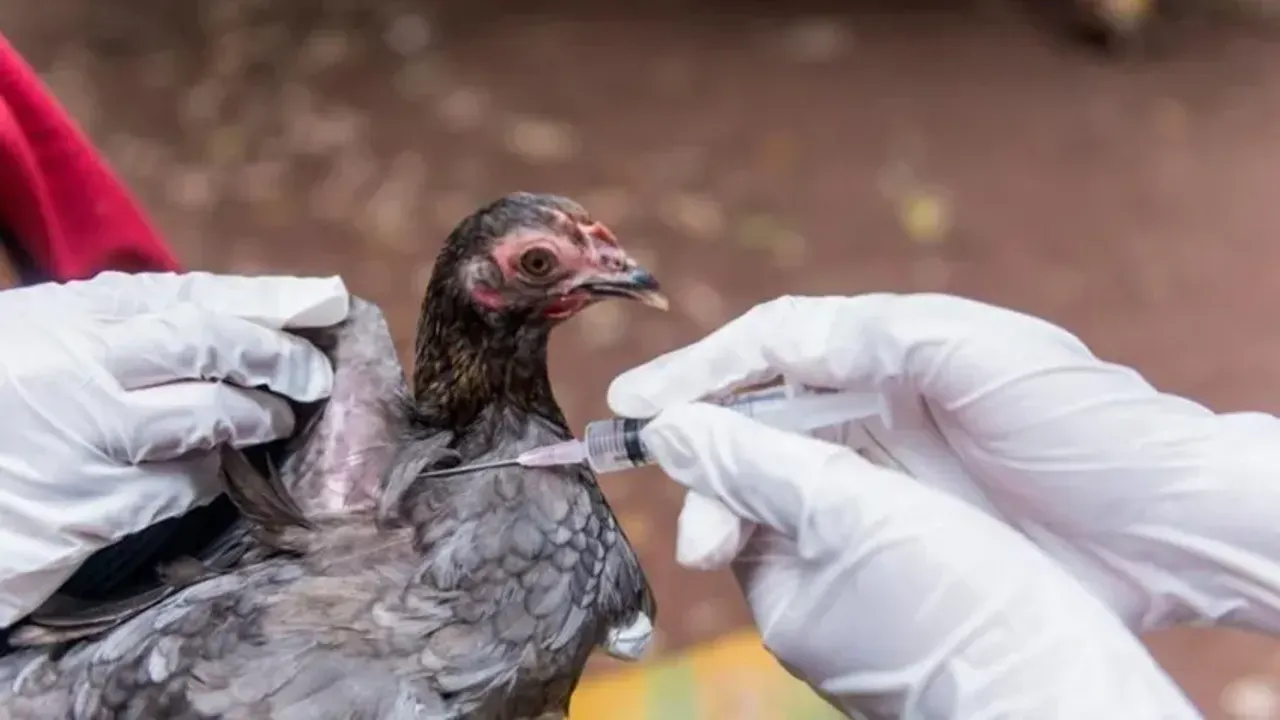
633 282
611 272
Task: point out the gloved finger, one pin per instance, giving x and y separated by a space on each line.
761 475
930 609
869 343
708 535
167 422
188 342
272 301
732 356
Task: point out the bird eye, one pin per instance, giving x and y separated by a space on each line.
538 262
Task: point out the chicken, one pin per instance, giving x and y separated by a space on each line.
360 589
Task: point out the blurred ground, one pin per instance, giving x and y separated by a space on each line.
743 151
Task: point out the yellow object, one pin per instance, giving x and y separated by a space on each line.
733 678
925 217
1126 12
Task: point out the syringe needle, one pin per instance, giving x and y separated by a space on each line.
568 452
464 469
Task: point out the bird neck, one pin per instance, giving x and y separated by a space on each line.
468 362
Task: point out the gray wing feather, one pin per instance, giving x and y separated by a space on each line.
211 652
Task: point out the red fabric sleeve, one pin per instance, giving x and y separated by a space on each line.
59 201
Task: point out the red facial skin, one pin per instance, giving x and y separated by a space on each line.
590 250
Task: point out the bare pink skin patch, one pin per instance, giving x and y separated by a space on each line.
574 259
488 297
567 306
599 253
583 248
599 233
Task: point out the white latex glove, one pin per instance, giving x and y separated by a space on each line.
1060 504
117 391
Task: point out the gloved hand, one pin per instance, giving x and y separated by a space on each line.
1046 507
116 393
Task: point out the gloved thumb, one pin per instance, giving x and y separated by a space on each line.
791 336
188 342
761 475
708 535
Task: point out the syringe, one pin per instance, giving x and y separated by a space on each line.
614 444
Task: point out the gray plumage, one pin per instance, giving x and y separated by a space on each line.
350 588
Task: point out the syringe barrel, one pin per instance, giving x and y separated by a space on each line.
615 444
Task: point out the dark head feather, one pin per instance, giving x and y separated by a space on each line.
507 274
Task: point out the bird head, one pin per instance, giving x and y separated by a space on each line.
535 256
508 274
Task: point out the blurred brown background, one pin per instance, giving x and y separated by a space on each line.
743 150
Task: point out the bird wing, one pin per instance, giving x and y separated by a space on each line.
210 652
334 465
337 465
